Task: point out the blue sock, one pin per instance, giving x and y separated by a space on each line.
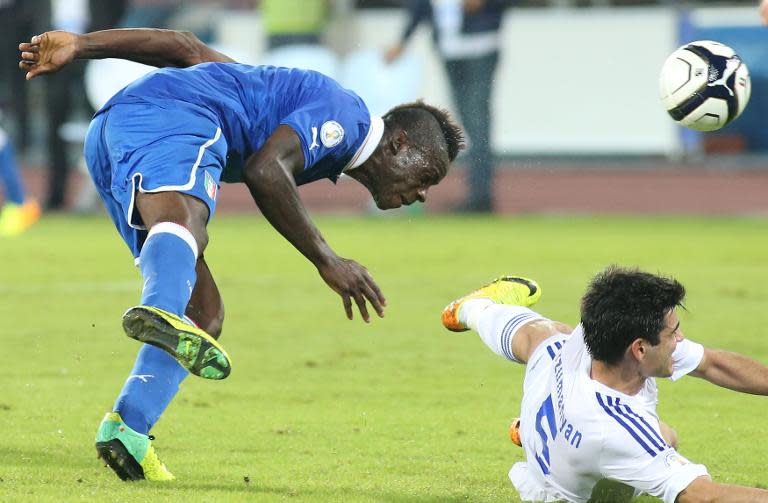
9 172
153 383
168 260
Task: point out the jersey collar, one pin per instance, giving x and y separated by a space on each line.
372 139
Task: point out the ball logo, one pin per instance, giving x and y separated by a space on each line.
730 66
331 134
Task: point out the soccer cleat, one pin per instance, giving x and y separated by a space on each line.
514 432
194 349
129 453
16 218
512 290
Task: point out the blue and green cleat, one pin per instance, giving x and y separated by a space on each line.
194 349
129 453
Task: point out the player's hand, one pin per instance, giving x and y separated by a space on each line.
352 282
48 53
764 11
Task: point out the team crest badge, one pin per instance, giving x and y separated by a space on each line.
210 186
331 134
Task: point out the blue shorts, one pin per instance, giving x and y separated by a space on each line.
144 147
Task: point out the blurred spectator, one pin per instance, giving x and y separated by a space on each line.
16 23
149 13
466 33
18 211
65 89
290 22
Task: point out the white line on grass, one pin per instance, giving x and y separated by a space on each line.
66 288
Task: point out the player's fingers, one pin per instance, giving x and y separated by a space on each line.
30 56
347 305
380 296
362 306
27 47
35 71
371 285
374 298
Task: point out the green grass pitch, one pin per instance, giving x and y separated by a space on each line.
321 409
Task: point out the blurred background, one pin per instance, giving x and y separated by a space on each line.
575 122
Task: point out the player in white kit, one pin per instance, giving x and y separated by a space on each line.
588 421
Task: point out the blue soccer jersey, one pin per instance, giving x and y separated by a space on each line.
248 103
185 130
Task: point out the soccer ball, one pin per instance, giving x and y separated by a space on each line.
704 85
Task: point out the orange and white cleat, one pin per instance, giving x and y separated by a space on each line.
511 290
514 432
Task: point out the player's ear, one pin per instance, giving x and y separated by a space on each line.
398 141
638 348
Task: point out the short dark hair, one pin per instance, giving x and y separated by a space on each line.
624 304
424 124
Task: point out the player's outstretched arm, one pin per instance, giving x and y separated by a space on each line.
733 371
703 489
53 50
269 176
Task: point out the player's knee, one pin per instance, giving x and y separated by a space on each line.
201 237
178 209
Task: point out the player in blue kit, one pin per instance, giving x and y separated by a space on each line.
18 211
157 152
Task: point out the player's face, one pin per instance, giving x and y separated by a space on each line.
405 179
659 359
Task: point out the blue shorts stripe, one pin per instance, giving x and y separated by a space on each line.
624 425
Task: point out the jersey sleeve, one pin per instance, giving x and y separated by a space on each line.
660 473
328 132
686 358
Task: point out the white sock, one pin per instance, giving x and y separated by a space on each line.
471 309
497 325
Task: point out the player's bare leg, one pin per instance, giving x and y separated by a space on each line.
205 308
529 336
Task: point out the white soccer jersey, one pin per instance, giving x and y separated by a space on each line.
577 432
